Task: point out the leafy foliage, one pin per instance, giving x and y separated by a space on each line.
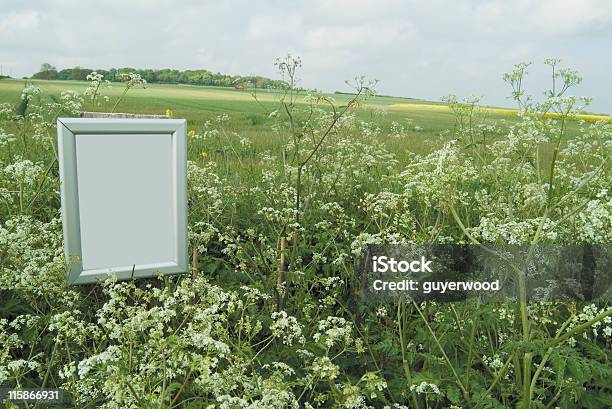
270 315
165 75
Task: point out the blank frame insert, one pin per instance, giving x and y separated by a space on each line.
123 188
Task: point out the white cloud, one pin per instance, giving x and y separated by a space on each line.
571 16
357 36
274 27
17 21
416 48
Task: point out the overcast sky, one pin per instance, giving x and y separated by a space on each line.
422 49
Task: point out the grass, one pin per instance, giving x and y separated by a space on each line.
425 122
198 104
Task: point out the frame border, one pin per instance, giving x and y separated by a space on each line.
68 130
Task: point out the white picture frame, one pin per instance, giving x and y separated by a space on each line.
123 186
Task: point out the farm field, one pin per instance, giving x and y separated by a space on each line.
285 190
422 124
198 104
246 116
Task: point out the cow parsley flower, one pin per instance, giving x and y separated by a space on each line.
333 331
287 328
6 138
425 388
323 368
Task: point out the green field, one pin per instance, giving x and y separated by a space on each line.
423 128
199 104
249 117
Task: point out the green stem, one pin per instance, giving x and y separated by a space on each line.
580 328
457 378
134 394
499 374
400 329
527 380
120 98
471 349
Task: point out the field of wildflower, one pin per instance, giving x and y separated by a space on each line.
285 189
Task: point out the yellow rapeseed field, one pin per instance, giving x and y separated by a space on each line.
498 111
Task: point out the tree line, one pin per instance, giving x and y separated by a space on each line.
165 75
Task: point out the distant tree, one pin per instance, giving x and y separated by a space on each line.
76 73
165 75
47 72
47 67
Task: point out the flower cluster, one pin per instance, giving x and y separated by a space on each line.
333 331
133 80
425 388
287 328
